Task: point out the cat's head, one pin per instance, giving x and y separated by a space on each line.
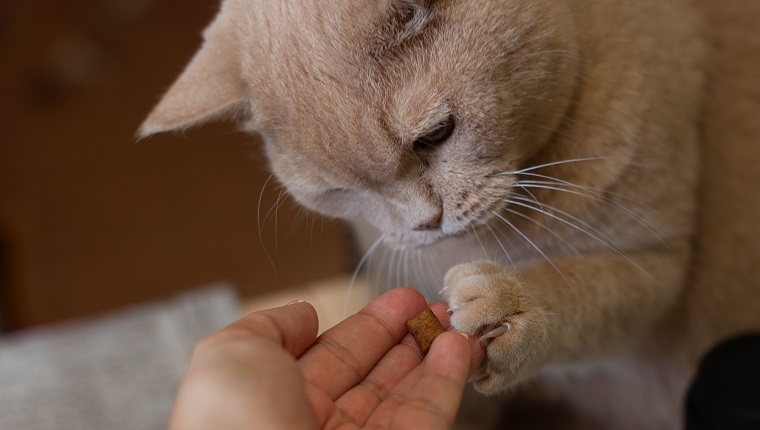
402 113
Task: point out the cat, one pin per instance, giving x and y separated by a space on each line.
564 171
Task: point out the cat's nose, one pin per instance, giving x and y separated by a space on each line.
434 223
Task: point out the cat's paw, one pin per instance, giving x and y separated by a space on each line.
487 301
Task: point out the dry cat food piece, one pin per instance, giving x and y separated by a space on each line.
425 327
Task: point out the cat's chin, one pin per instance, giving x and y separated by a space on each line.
412 240
422 239
418 240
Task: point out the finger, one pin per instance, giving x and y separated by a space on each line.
294 326
242 374
361 401
434 400
342 356
429 397
477 352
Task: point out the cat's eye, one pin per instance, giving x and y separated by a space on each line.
436 136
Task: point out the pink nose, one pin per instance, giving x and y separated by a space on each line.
433 223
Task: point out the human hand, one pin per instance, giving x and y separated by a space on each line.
269 370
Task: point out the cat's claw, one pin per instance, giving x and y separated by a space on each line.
456 307
496 332
479 374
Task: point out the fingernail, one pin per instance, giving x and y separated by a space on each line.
294 302
465 335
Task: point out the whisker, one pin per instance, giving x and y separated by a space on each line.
277 205
301 215
595 197
493 233
604 239
532 196
405 277
554 163
272 214
407 271
261 227
548 260
431 270
556 181
399 268
415 269
389 280
477 236
437 272
520 201
552 232
311 220
258 208
378 281
414 266
358 268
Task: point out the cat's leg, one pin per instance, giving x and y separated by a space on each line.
570 309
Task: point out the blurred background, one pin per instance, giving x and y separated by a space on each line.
91 220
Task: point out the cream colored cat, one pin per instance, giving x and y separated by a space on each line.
543 154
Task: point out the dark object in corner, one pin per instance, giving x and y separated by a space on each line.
726 393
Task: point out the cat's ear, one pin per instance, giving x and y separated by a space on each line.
210 87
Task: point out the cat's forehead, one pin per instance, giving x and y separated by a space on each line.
333 39
324 77
389 22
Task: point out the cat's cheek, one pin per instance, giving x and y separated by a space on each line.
345 205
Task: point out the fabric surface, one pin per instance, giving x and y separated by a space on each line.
119 371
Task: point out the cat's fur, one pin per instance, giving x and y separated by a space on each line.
570 196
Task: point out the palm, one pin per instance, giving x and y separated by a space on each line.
376 381
269 369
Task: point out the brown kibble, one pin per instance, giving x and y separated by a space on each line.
425 327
